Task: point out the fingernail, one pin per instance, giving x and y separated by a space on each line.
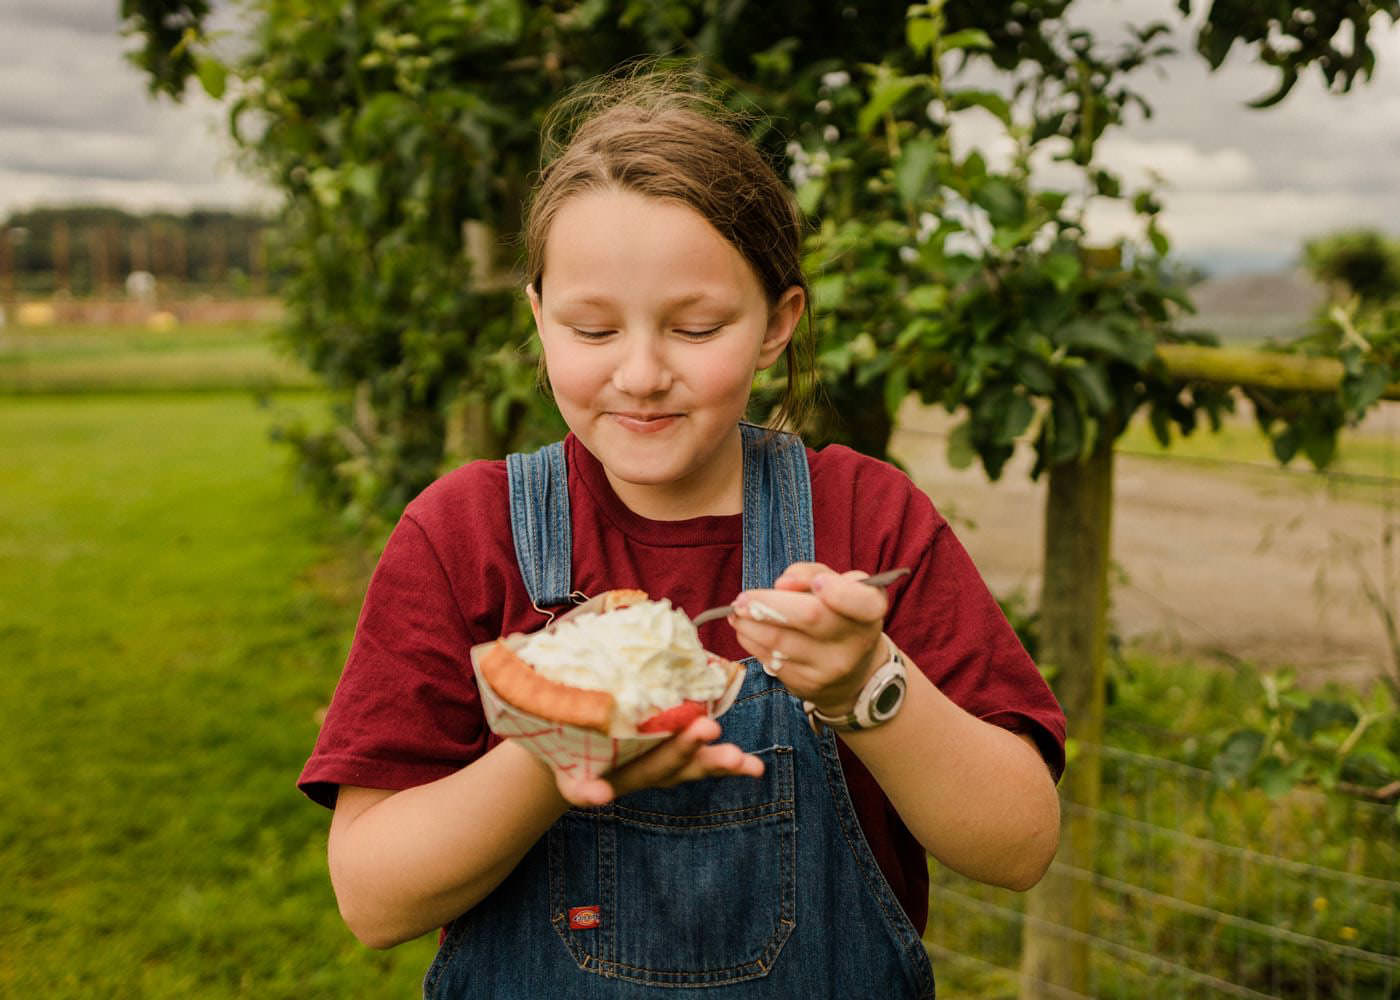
818 584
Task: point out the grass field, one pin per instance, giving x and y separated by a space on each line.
172 616
136 358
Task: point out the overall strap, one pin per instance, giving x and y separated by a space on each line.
777 505
539 523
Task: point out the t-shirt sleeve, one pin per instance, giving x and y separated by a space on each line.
947 620
871 516
406 710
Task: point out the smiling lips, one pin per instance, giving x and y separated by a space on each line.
645 423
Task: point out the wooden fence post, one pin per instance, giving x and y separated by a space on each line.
1055 954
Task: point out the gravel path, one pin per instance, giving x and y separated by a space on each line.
1249 563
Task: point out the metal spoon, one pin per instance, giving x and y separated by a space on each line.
724 611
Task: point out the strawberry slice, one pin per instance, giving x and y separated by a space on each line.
673 719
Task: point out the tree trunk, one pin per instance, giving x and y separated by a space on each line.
470 432
1074 630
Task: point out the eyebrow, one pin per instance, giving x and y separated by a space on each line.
603 300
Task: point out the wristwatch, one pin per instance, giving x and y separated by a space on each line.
878 702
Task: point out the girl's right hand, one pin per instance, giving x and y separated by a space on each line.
688 755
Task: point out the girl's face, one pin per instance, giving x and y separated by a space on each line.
653 326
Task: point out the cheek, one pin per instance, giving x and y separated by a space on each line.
577 377
728 377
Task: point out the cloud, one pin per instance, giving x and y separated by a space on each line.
1239 184
78 124
1267 226
1180 165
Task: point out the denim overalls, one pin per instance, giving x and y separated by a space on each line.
723 887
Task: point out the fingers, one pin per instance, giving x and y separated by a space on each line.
686 756
849 597
817 631
799 576
814 601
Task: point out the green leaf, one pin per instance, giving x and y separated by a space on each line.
1035 375
1005 202
885 93
1161 426
810 194
1146 203
383 113
968 38
1274 779
1093 384
213 76
1321 714
1089 335
1320 445
1236 758
920 33
1159 240
911 170
1016 418
829 292
973 167
987 99
1361 392
776 61
1047 126
1286 444
1066 431
961 454
1062 268
926 298
1107 184
896 388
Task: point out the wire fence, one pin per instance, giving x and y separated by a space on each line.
1201 891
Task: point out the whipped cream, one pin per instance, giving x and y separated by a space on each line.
647 656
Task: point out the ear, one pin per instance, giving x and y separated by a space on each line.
534 298
782 324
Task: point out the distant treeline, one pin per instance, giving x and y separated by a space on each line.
91 249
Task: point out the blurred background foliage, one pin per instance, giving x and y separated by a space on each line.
403 137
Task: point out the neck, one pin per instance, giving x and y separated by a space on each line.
716 490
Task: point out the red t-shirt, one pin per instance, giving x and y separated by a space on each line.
406 710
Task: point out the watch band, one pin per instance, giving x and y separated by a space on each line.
878 702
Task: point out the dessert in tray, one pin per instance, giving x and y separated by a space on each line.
621 669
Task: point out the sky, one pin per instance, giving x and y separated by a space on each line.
1243 189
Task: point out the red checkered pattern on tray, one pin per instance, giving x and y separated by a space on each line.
572 749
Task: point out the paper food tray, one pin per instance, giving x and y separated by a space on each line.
572 749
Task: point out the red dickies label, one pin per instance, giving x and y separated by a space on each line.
584 918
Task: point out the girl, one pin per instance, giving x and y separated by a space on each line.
789 859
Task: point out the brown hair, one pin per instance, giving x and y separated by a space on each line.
662 135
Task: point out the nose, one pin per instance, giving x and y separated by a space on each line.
642 370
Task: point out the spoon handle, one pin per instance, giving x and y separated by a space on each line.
724 610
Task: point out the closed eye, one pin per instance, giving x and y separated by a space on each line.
700 334
592 334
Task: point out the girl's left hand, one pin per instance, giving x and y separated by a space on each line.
831 636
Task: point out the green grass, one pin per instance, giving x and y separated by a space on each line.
1366 459
172 617
1171 831
66 359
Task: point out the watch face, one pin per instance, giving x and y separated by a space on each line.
887 699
